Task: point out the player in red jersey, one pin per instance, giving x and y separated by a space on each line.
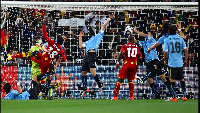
53 55
131 52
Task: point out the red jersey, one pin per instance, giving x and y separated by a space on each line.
55 48
131 53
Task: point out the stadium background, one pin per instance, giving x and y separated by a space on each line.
20 34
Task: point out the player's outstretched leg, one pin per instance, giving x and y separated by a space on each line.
19 55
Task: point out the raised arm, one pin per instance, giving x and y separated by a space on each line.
44 30
80 39
138 32
19 87
152 47
165 57
180 32
105 24
186 57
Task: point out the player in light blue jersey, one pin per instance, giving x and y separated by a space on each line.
151 59
32 93
173 57
160 64
15 94
89 60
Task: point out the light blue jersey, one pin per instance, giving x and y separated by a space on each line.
161 39
174 45
146 45
94 42
13 94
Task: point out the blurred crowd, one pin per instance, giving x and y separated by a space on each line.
25 23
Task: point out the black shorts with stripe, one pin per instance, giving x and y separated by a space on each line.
150 67
176 73
89 61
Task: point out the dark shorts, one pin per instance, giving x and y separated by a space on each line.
150 67
176 73
89 61
160 64
34 90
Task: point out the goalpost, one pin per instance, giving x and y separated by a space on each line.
184 12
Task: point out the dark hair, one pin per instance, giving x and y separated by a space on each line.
35 38
165 28
52 34
7 87
153 33
60 40
131 38
172 30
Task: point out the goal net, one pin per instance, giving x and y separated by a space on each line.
21 21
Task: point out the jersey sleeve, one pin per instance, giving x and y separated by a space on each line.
45 34
140 43
63 56
85 44
151 39
122 48
15 92
165 47
161 40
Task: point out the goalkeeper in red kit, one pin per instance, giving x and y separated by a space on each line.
49 60
131 52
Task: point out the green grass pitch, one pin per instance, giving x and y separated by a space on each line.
99 106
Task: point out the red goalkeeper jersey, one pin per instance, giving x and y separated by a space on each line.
55 48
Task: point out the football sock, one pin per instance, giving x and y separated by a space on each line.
47 86
42 76
131 87
155 91
50 92
174 90
183 88
84 81
170 88
173 85
116 90
98 81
